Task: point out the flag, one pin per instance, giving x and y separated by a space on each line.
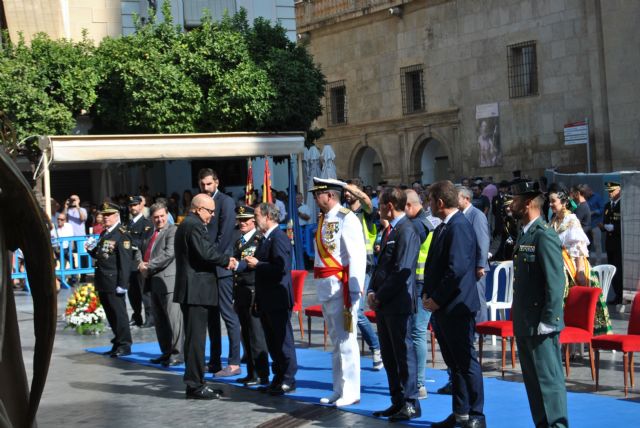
293 227
266 185
249 197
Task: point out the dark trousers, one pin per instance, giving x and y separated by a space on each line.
168 324
195 336
231 322
544 379
253 341
399 357
614 257
456 334
279 336
137 298
115 308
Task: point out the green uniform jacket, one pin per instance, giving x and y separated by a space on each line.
539 280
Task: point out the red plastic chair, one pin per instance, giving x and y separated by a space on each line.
625 343
433 344
371 316
298 277
315 311
579 318
503 329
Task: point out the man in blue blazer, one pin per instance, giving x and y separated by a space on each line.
274 297
392 294
450 293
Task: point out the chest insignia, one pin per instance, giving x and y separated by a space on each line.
527 249
329 232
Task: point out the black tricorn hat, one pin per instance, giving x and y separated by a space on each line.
524 188
245 211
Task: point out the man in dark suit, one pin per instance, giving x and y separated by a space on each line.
140 228
244 298
274 297
612 228
113 268
450 293
538 291
221 233
392 294
157 263
196 261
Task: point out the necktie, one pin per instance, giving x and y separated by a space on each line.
387 232
147 253
242 240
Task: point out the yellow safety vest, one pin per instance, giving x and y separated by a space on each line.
422 257
369 236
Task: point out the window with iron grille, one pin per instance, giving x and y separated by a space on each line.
337 103
523 69
411 79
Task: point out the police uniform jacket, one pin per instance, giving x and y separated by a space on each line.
539 280
139 231
612 216
246 278
113 259
196 261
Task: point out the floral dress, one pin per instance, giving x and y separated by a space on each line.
574 244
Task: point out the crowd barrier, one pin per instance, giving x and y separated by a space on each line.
71 260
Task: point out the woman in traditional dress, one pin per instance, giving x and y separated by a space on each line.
576 255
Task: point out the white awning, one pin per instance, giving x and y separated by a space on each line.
123 148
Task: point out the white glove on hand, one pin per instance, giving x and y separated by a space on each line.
120 290
608 227
545 328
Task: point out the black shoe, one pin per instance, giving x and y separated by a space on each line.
213 369
408 411
110 351
245 379
266 388
159 360
172 362
446 390
121 352
450 422
203 393
254 381
476 422
283 389
387 412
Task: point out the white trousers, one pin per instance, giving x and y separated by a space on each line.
346 353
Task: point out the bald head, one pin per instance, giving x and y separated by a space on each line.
413 205
202 200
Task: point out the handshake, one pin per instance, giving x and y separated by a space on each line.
250 260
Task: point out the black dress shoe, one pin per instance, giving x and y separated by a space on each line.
109 352
121 352
283 389
204 393
171 362
476 422
159 360
450 422
266 388
246 379
446 390
408 411
213 369
387 412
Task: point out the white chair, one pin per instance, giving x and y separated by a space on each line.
605 275
502 305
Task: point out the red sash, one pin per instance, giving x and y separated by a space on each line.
331 266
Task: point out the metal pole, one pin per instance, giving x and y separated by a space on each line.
300 175
47 180
588 147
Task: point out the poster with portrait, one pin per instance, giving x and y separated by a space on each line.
488 135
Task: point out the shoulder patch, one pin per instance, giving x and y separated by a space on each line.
344 210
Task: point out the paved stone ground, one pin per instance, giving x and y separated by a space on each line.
85 388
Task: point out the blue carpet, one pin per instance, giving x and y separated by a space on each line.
506 403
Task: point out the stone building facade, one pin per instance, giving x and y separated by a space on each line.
432 89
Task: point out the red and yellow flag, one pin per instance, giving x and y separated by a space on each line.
266 185
249 196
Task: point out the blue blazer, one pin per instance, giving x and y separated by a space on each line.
450 272
273 272
480 226
394 278
221 227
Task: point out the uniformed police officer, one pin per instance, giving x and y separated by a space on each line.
538 291
339 272
613 243
244 292
113 267
139 228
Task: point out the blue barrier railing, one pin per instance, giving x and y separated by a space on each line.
71 251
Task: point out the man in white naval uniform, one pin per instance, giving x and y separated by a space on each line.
339 272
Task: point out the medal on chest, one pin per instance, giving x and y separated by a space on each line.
329 233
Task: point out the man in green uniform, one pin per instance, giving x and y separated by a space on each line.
538 290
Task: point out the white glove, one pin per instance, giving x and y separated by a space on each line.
545 328
120 290
608 227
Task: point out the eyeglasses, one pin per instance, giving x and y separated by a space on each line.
207 210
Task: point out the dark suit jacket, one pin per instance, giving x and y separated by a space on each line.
162 260
139 231
273 272
221 227
480 226
394 277
113 260
450 273
196 261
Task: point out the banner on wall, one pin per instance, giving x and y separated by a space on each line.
488 132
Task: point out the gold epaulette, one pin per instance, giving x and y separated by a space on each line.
344 210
